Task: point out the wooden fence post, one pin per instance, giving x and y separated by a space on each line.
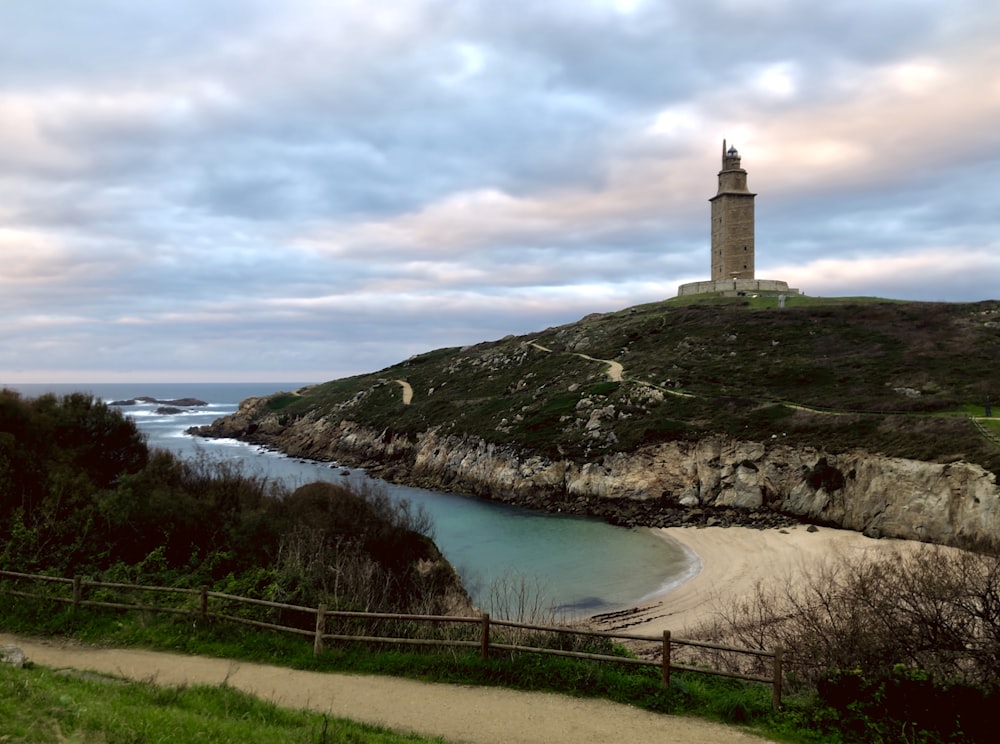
320 630
776 694
484 640
204 601
666 659
77 591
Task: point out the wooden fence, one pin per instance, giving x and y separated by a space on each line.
199 603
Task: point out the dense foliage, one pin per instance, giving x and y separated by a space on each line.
58 459
81 493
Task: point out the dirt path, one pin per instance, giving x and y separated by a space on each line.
614 370
407 391
459 713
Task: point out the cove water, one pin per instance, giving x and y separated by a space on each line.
581 566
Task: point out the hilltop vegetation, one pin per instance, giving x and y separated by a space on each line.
81 493
895 378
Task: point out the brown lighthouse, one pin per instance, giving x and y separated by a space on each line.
733 239
732 221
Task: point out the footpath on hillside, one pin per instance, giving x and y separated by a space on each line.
458 713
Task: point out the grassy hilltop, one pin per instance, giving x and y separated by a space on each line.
897 378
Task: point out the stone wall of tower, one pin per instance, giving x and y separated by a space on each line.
733 237
732 222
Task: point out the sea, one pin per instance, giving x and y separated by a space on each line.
574 566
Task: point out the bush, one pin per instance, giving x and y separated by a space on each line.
906 703
80 493
909 642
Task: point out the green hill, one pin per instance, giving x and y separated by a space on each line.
902 379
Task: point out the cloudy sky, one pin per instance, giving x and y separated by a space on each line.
249 190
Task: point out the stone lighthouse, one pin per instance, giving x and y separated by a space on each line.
732 221
733 238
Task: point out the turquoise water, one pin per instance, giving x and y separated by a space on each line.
582 566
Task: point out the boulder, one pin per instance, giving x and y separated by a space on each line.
12 656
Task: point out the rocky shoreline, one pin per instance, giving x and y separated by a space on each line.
175 402
621 512
714 481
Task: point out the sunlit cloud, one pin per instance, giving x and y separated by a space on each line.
778 80
907 275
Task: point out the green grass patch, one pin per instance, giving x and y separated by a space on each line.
772 414
978 410
604 388
279 402
991 425
40 705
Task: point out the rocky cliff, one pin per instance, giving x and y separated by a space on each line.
678 482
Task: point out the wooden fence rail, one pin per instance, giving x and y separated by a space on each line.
488 639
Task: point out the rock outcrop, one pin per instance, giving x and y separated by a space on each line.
183 402
667 483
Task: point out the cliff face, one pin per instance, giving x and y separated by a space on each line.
950 504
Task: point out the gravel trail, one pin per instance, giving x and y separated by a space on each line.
459 713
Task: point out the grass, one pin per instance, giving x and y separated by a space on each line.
41 705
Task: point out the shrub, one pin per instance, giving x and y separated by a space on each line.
937 610
80 493
906 643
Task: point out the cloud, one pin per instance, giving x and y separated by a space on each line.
264 190
899 277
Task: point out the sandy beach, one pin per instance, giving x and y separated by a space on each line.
731 561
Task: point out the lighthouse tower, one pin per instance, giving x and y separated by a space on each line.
732 221
732 239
